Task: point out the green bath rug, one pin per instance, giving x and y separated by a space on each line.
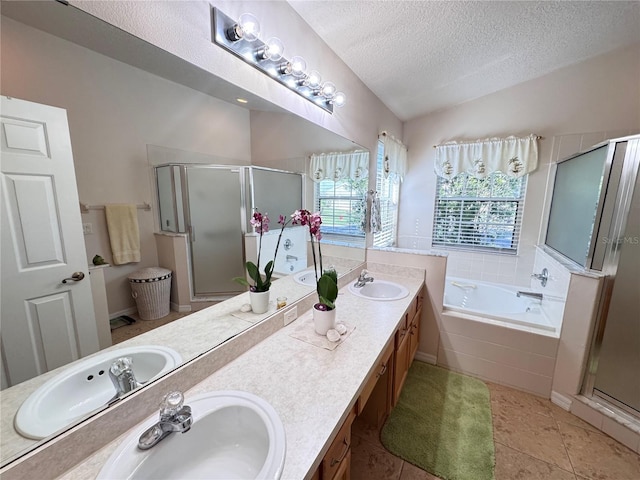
442 424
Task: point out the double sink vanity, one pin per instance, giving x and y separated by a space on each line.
275 406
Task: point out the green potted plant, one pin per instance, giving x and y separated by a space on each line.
324 312
260 285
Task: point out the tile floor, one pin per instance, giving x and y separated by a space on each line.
534 440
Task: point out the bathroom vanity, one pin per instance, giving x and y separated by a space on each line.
317 392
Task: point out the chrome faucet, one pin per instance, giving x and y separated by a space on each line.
291 258
122 377
543 277
537 296
174 417
363 279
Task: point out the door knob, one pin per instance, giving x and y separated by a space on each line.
76 277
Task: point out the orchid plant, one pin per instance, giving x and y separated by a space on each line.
326 281
260 224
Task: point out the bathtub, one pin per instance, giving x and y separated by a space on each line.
500 303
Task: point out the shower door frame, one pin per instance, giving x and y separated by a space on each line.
617 227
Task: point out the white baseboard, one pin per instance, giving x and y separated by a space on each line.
561 400
126 311
426 358
180 308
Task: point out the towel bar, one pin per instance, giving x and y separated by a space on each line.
84 208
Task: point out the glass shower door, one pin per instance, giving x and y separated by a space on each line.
214 195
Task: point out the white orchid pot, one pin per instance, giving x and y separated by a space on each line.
259 301
323 320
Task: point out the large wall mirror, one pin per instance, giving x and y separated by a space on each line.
124 97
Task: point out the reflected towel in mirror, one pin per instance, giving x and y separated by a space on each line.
124 234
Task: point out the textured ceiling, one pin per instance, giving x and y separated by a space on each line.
423 56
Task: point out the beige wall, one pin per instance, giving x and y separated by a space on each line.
184 29
598 95
114 112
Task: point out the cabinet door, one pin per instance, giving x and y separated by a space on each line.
344 472
401 367
339 450
414 335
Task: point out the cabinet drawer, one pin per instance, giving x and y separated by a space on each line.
339 449
382 366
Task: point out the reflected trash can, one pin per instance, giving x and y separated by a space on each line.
151 288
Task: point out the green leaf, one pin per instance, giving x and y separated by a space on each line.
327 289
327 302
241 281
253 271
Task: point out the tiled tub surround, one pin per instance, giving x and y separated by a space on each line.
517 356
213 325
311 388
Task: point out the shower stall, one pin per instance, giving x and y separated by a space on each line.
212 204
595 221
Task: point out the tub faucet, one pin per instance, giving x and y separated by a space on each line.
363 279
122 377
543 277
174 417
537 296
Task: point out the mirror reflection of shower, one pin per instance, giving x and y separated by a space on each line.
213 205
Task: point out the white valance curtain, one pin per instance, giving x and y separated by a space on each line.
395 157
512 156
339 166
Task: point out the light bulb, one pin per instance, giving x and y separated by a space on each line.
339 99
247 28
328 90
296 67
272 50
313 79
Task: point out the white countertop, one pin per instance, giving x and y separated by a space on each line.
311 388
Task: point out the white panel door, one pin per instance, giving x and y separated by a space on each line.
45 323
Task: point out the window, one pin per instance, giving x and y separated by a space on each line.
388 191
342 206
479 214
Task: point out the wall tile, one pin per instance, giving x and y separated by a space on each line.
538 384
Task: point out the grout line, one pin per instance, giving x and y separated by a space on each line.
539 459
565 445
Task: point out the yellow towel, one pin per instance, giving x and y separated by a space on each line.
124 235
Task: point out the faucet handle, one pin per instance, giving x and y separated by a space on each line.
120 366
171 404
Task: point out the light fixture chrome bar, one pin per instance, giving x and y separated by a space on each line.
249 52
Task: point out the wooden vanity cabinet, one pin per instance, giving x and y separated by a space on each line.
407 339
336 464
374 403
414 327
401 366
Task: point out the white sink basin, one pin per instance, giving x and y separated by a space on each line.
235 435
86 387
306 277
380 290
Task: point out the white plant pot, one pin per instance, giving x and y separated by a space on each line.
324 320
259 301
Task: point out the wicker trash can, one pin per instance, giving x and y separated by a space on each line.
151 287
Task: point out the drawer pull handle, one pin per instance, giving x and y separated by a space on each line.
344 454
382 370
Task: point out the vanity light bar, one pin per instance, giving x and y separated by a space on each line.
230 35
